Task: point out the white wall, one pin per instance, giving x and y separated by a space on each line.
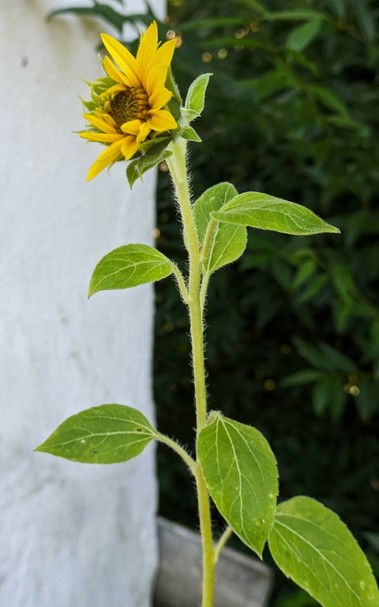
70 535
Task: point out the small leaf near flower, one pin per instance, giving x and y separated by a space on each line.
129 266
108 434
196 97
129 106
227 242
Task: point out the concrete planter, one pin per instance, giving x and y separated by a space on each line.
240 581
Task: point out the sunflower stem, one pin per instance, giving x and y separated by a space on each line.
222 542
174 445
178 170
181 284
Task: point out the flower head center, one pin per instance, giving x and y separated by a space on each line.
132 104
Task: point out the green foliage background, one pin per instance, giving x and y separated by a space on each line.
293 335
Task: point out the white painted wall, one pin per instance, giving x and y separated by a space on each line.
70 535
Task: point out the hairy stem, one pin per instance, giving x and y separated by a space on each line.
181 284
166 440
177 167
222 541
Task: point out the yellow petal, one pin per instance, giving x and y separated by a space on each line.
124 59
129 147
117 88
101 137
113 72
148 46
165 52
106 158
106 117
132 127
155 78
144 132
161 120
99 123
159 98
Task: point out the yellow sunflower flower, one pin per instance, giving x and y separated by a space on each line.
127 107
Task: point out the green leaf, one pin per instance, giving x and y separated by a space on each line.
241 475
228 242
312 289
337 360
314 548
270 83
303 35
108 434
339 7
304 272
296 15
328 99
373 539
98 10
312 354
323 397
230 42
196 96
345 122
367 400
129 266
366 19
301 378
266 212
216 22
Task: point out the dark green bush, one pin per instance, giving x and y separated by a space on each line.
293 336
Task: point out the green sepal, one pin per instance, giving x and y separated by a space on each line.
129 266
313 547
228 241
265 212
241 476
190 134
153 145
154 156
175 102
108 434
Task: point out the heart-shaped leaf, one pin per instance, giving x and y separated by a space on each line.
107 434
265 212
312 546
129 266
241 475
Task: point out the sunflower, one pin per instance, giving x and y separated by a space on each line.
127 106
